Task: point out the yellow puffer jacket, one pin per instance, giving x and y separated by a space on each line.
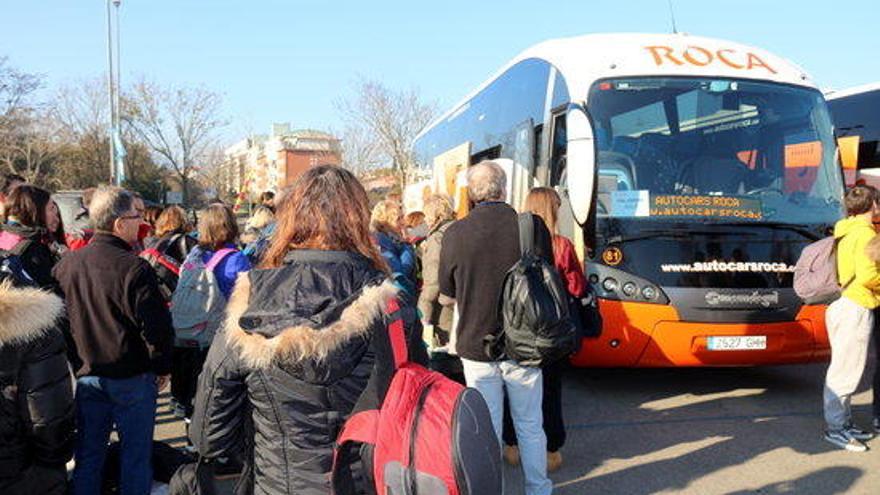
853 265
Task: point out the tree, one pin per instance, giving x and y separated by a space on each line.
387 119
213 173
82 111
178 124
81 163
16 88
144 175
26 143
30 147
360 151
81 107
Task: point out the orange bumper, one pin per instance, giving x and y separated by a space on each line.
650 335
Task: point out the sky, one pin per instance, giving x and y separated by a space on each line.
293 61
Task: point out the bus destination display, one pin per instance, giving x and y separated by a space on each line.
644 204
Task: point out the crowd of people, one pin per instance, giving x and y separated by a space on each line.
265 336
268 337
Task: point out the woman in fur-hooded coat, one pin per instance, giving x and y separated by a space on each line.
303 341
36 394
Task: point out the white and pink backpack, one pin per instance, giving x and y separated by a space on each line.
198 305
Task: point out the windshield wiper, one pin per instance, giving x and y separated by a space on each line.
809 234
668 234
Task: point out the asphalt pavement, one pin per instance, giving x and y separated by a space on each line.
730 431
725 431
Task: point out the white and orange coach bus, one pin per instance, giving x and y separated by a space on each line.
693 172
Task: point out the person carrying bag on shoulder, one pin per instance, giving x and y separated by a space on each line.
207 277
850 319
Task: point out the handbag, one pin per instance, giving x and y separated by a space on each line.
585 314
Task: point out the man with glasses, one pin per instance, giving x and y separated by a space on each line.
123 334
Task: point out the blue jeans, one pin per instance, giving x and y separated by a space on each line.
525 393
128 403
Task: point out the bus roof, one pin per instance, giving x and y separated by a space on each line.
584 59
864 88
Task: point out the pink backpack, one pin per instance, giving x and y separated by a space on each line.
430 436
815 274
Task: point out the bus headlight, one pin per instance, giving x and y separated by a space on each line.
618 285
610 284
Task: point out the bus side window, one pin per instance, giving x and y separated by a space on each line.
487 154
558 151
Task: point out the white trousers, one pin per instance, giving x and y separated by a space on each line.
849 332
525 392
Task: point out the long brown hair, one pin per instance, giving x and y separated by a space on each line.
544 202
326 209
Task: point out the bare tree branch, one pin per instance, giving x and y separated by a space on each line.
179 124
30 147
381 126
16 88
22 149
360 151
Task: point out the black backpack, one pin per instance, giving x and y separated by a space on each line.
166 267
537 326
11 267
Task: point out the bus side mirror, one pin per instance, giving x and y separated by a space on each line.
581 161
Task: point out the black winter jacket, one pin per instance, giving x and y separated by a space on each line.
36 389
300 345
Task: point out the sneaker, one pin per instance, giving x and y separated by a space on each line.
842 439
511 455
554 461
858 433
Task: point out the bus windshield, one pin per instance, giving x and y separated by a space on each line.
714 150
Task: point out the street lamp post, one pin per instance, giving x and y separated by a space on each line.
117 170
110 93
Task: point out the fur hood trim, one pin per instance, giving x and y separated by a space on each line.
301 342
26 313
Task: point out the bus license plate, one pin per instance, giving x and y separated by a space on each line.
749 343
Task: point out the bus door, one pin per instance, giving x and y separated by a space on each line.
558 180
519 181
